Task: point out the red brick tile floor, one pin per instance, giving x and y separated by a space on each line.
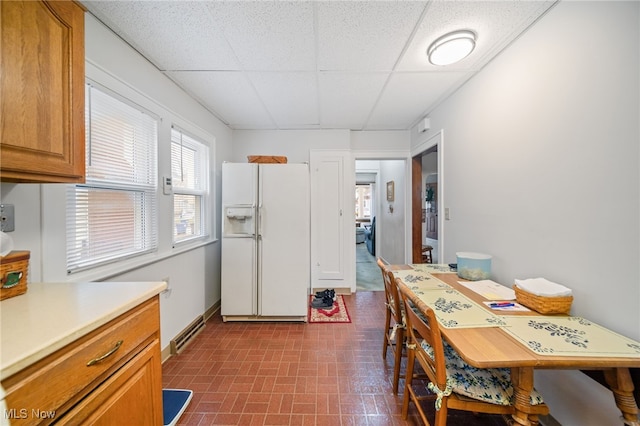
269 373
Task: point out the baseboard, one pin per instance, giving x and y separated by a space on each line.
166 351
338 290
211 311
548 420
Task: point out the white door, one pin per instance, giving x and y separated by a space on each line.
239 277
239 183
283 239
328 219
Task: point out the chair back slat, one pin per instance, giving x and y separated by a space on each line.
391 292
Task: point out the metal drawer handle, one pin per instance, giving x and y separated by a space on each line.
108 354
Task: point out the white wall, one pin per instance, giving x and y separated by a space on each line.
193 271
390 219
542 169
293 144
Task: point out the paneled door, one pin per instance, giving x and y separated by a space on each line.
328 216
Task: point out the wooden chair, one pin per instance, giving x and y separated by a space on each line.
394 331
445 370
427 257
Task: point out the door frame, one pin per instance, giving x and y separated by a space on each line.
427 144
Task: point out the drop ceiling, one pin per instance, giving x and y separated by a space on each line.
357 65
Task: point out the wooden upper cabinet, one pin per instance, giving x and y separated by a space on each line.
42 136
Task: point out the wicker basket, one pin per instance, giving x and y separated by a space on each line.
542 304
13 274
267 159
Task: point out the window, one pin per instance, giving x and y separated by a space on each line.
113 215
363 202
190 179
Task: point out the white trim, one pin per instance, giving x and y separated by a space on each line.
436 139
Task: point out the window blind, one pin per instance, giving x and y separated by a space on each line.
190 177
113 215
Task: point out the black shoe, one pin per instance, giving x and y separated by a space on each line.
326 293
325 302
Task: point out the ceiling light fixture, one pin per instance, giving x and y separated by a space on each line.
452 47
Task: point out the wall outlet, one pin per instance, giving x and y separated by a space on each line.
446 214
7 218
167 291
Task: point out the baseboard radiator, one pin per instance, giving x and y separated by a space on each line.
187 335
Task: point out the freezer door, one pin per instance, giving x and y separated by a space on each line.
239 277
239 255
239 184
283 242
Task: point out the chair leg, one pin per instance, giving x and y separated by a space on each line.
385 342
397 360
407 383
441 415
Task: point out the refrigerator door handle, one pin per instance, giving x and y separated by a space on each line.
259 232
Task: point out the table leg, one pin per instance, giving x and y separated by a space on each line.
522 380
619 380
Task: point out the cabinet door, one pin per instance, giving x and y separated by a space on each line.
133 395
328 218
42 91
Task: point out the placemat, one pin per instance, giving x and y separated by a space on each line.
432 267
454 310
570 336
419 281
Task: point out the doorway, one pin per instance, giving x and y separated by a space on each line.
385 227
427 199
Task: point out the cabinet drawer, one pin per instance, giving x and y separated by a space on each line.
124 397
52 385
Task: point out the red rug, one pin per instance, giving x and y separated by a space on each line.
336 314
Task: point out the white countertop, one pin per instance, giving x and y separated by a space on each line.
51 315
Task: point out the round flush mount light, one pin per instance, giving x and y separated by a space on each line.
452 47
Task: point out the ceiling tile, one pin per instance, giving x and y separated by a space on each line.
347 99
291 98
407 95
172 35
274 35
496 23
314 64
364 35
228 94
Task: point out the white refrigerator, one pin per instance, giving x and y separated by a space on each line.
265 242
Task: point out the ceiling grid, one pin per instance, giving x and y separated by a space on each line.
357 65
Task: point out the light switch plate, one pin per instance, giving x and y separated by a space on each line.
167 186
7 218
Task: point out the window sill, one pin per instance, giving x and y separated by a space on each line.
105 272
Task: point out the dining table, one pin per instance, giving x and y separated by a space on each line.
522 339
